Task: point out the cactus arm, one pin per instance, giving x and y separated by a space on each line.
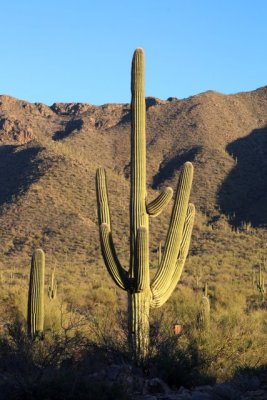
159 300
156 206
175 233
102 197
141 272
116 271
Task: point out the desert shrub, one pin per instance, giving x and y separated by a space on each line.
234 340
58 367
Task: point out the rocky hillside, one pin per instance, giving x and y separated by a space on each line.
48 158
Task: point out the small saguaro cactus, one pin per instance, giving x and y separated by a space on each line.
35 320
205 309
143 294
197 274
260 284
52 289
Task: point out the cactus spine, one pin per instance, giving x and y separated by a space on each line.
143 294
52 289
35 320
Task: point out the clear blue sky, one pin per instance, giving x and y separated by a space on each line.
81 50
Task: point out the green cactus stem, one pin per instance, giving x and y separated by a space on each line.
52 289
35 320
143 294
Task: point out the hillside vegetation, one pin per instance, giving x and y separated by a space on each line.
48 159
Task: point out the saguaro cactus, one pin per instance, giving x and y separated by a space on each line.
205 309
143 295
52 289
35 320
260 284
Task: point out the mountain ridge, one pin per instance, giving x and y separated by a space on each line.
48 158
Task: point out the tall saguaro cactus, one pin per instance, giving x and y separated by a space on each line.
35 319
143 294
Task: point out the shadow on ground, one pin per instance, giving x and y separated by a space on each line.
168 168
243 194
19 167
71 127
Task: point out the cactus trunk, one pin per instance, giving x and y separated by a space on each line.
138 320
138 302
143 294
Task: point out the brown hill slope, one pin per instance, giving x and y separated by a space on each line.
48 158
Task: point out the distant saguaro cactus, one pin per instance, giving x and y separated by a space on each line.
143 295
52 289
205 309
197 274
35 320
260 283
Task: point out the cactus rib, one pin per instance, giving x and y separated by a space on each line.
141 272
